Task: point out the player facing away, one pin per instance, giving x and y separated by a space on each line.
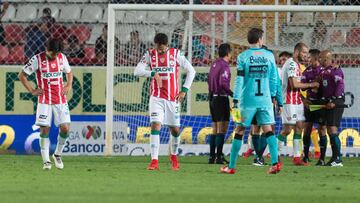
255 86
311 74
332 92
219 90
49 67
162 65
292 115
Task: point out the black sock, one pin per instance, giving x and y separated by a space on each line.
220 139
337 144
323 145
256 143
333 146
263 144
212 145
306 142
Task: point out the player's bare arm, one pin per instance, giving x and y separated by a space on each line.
68 86
23 78
295 84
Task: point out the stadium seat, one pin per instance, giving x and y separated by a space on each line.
123 33
205 17
300 18
337 37
99 1
30 1
346 18
90 56
135 16
10 14
14 33
146 33
353 38
79 1
158 16
327 18
70 13
81 31
175 17
54 10
16 55
4 53
92 13
95 33
26 13
59 32
105 16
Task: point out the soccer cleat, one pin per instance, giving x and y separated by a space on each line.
227 170
334 162
274 169
175 166
306 161
320 163
248 153
221 160
259 162
154 165
298 162
47 166
58 162
316 155
211 160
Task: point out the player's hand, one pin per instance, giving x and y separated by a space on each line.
37 92
330 106
315 85
280 109
158 80
180 97
66 89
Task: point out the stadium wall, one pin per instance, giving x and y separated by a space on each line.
19 135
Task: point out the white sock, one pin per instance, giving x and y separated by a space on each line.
251 144
44 148
174 144
154 146
281 145
60 145
297 147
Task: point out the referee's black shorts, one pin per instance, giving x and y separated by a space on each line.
332 117
219 108
313 116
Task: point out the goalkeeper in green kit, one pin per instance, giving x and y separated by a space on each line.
255 89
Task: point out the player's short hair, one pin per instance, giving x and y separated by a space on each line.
299 46
286 54
224 50
47 11
161 39
254 35
314 53
54 45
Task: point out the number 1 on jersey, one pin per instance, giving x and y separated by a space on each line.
258 93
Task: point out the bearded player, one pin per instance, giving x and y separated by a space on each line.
162 65
49 67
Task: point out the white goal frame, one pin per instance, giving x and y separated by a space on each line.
171 7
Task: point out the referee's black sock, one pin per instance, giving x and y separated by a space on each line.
334 148
323 145
256 142
220 139
212 144
306 141
263 144
337 144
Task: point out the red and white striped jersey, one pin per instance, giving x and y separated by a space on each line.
167 66
291 69
49 76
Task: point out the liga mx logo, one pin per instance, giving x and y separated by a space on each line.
91 131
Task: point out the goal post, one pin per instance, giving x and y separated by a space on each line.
127 96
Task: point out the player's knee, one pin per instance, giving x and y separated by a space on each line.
238 136
175 131
45 131
155 126
65 128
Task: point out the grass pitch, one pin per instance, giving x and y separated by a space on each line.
125 179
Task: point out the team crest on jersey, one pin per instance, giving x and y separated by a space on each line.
325 83
162 60
53 66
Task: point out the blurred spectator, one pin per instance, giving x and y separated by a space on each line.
319 36
3 7
36 37
134 49
73 49
198 49
46 16
101 46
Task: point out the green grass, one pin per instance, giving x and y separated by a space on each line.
124 179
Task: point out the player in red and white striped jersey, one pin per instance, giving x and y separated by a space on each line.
51 91
162 64
292 115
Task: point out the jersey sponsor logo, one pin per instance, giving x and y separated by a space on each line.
52 75
154 114
258 60
53 83
163 69
42 116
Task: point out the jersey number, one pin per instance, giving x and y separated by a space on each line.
258 93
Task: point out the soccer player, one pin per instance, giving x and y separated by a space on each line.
219 90
256 84
49 67
332 91
292 115
311 74
162 65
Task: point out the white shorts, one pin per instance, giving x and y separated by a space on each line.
292 113
44 114
164 112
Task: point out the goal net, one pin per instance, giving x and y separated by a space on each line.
198 30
